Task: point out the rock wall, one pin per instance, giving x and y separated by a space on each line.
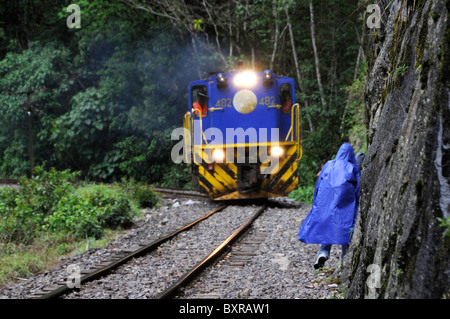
399 250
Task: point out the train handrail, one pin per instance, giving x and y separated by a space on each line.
295 110
291 129
187 146
195 146
200 117
299 133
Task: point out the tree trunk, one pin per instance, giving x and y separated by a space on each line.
297 67
277 32
316 55
212 21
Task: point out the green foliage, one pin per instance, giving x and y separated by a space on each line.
401 70
139 192
20 261
14 162
110 95
14 266
75 215
90 210
198 24
353 120
39 68
178 176
445 224
23 210
303 194
134 156
308 168
51 202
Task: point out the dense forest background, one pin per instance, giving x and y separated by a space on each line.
106 96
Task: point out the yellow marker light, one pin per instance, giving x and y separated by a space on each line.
276 151
218 154
246 79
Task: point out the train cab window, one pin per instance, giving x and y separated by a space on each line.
199 101
286 98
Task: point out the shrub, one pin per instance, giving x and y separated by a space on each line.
89 210
303 194
50 202
75 216
177 176
141 193
116 209
42 192
23 210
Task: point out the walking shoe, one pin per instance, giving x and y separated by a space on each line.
320 261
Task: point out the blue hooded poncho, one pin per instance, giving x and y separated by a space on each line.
335 202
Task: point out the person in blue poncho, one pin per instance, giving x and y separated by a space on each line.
335 205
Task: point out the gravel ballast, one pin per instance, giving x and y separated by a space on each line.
280 267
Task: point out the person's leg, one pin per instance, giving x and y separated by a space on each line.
322 256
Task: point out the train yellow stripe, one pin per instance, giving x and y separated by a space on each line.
210 178
219 181
285 177
222 174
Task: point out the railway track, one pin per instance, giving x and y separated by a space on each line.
179 192
208 260
165 191
8 181
65 286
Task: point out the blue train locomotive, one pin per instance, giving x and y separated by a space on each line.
243 135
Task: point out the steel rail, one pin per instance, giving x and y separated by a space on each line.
191 274
121 260
179 192
9 181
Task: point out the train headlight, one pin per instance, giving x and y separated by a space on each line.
218 155
221 79
245 79
267 78
276 151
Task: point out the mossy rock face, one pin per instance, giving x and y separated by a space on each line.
405 181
